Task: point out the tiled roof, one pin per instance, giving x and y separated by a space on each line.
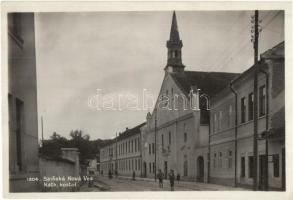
130 132
127 133
209 83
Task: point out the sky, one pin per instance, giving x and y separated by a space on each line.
125 53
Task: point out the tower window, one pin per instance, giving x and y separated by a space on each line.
173 54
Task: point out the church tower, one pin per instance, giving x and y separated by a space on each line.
174 45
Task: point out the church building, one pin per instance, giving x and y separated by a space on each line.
176 134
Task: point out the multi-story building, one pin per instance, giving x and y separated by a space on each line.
122 155
22 102
176 135
232 126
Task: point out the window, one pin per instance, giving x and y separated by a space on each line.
154 170
173 54
150 167
185 137
135 164
262 100
215 122
135 145
230 116
162 141
150 149
220 160
138 144
229 159
215 160
169 138
220 119
242 166
138 164
250 106
243 110
129 146
251 166
276 165
153 148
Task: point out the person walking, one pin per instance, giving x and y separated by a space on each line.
172 179
178 178
160 177
133 176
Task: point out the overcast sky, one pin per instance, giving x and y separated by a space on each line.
125 52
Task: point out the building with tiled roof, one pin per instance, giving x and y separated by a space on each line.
122 155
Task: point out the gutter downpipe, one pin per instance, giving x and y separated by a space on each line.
236 132
267 128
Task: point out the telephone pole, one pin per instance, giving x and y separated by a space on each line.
255 100
155 144
42 126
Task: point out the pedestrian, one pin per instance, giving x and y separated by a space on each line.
110 174
133 175
178 178
160 177
172 179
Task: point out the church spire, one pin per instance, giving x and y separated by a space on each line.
174 45
174 33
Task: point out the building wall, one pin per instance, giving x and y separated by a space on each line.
22 98
222 122
59 168
189 139
128 159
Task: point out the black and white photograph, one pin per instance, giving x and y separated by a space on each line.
145 100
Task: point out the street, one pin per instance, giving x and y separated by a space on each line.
103 183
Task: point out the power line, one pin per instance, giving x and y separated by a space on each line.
228 59
270 21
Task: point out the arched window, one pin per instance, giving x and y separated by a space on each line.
173 54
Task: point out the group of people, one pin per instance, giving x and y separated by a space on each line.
160 176
171 175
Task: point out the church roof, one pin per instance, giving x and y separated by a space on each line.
209 83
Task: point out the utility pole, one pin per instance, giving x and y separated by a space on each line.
116 151
255 101
155 144
42 126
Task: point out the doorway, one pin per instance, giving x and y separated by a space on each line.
200 169
144 169
166 169
262 172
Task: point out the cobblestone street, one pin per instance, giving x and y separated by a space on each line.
103 183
